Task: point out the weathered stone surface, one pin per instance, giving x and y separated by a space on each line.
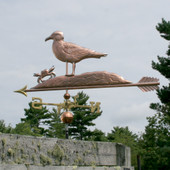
33 167
17 149
85 79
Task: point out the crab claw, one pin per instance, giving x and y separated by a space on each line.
51 69
36 74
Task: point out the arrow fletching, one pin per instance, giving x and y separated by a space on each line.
148 84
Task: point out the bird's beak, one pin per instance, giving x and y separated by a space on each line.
48 38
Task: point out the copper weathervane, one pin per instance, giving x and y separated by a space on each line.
71 53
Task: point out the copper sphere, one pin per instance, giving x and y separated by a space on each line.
67 117
67 96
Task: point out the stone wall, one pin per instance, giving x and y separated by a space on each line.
33 167
41 151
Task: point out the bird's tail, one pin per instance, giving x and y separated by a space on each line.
96 55
101 55
104 55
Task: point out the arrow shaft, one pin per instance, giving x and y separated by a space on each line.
95 86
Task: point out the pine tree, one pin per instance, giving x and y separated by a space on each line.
56 127
36 118
4 128
83 118
156 139
163 64
24 128
97 135
125 136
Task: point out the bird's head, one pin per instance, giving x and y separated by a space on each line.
57 35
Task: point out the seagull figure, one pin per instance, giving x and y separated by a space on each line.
69 52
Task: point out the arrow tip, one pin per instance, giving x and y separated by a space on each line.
22 91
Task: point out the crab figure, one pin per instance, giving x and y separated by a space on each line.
45 73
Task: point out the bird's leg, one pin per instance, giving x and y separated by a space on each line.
66 68
73 69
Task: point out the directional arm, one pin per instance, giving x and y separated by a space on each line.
37 104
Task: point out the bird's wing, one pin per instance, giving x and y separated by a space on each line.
75 50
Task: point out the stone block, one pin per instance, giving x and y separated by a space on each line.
17 149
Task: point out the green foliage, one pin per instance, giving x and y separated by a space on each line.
164 111
10 152
164 94
45 160
57 152
122 134
35 118
26 129
163 66
56 127
164 29
125 136
97 135
155 142
4 128
3 142
83 118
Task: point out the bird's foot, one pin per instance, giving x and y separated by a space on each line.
69 75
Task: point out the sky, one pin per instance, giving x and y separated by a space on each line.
125 30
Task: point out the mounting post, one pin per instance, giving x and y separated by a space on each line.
66 129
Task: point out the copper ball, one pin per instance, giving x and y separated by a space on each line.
67 96
67 117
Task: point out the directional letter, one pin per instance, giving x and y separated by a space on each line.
96 106
35 103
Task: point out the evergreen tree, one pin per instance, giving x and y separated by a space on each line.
83 118
24 128
156 139
56 127
125 136
35 118
156 144
97 135
163 64
4 128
